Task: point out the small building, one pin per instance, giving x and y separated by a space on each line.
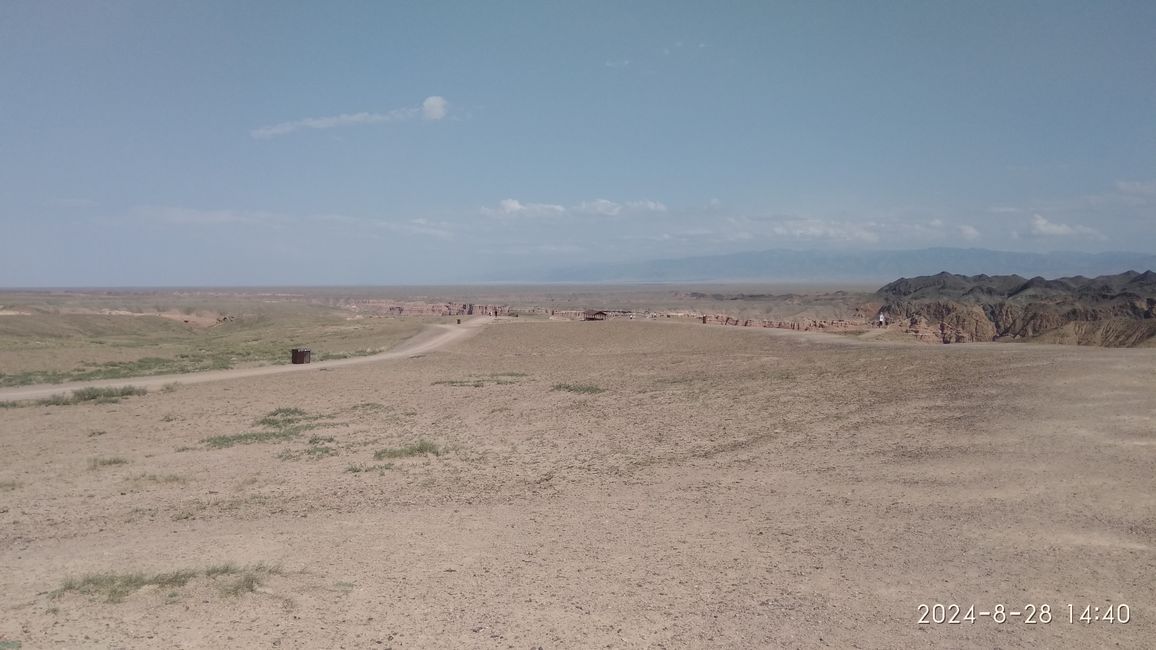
590 314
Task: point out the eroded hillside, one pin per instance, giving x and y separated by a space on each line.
1109 310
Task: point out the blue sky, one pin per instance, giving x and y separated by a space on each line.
147 143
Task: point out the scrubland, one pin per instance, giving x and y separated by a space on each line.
609 484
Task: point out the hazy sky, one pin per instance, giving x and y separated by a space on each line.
389 142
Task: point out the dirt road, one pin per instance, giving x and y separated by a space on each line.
430 339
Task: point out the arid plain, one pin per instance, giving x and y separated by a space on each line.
551 483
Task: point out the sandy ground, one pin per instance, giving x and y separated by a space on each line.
728 488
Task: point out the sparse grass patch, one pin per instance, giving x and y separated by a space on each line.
222 569
286 417
473 383
588 389
171 387
360 468
419 448
169 418
244 584
320 452
12 644
97 463
245 334
330 356
253 437
281 417
310 453
498 378
369 406
185 448
158 478
81 396
281 424
248 578
115 587
94 395
8 486
144 367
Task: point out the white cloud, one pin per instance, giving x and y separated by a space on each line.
609 208
190 216
823 229
1041 227
437 229
647 206
515 208
433 108
596 207
178 216
333 121
600 206
1147 188
970 233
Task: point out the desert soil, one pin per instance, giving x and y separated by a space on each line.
727 488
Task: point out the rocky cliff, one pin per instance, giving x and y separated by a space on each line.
1109 310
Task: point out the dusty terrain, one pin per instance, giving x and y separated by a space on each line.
610 484
63 336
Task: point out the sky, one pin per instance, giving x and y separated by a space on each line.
257 143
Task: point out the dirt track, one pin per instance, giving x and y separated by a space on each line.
728 488
436 336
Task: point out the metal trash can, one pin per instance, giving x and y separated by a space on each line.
300 355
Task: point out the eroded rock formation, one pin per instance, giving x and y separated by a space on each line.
1113 310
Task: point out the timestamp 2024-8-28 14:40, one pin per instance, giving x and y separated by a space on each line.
1031 614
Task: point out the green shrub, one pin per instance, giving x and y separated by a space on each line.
421 447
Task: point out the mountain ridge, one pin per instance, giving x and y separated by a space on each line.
1117 310
858 266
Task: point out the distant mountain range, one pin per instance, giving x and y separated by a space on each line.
859 266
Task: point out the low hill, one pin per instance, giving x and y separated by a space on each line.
1109 310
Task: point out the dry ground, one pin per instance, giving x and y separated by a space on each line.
55 338
727 488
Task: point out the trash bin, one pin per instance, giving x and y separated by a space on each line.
300 355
